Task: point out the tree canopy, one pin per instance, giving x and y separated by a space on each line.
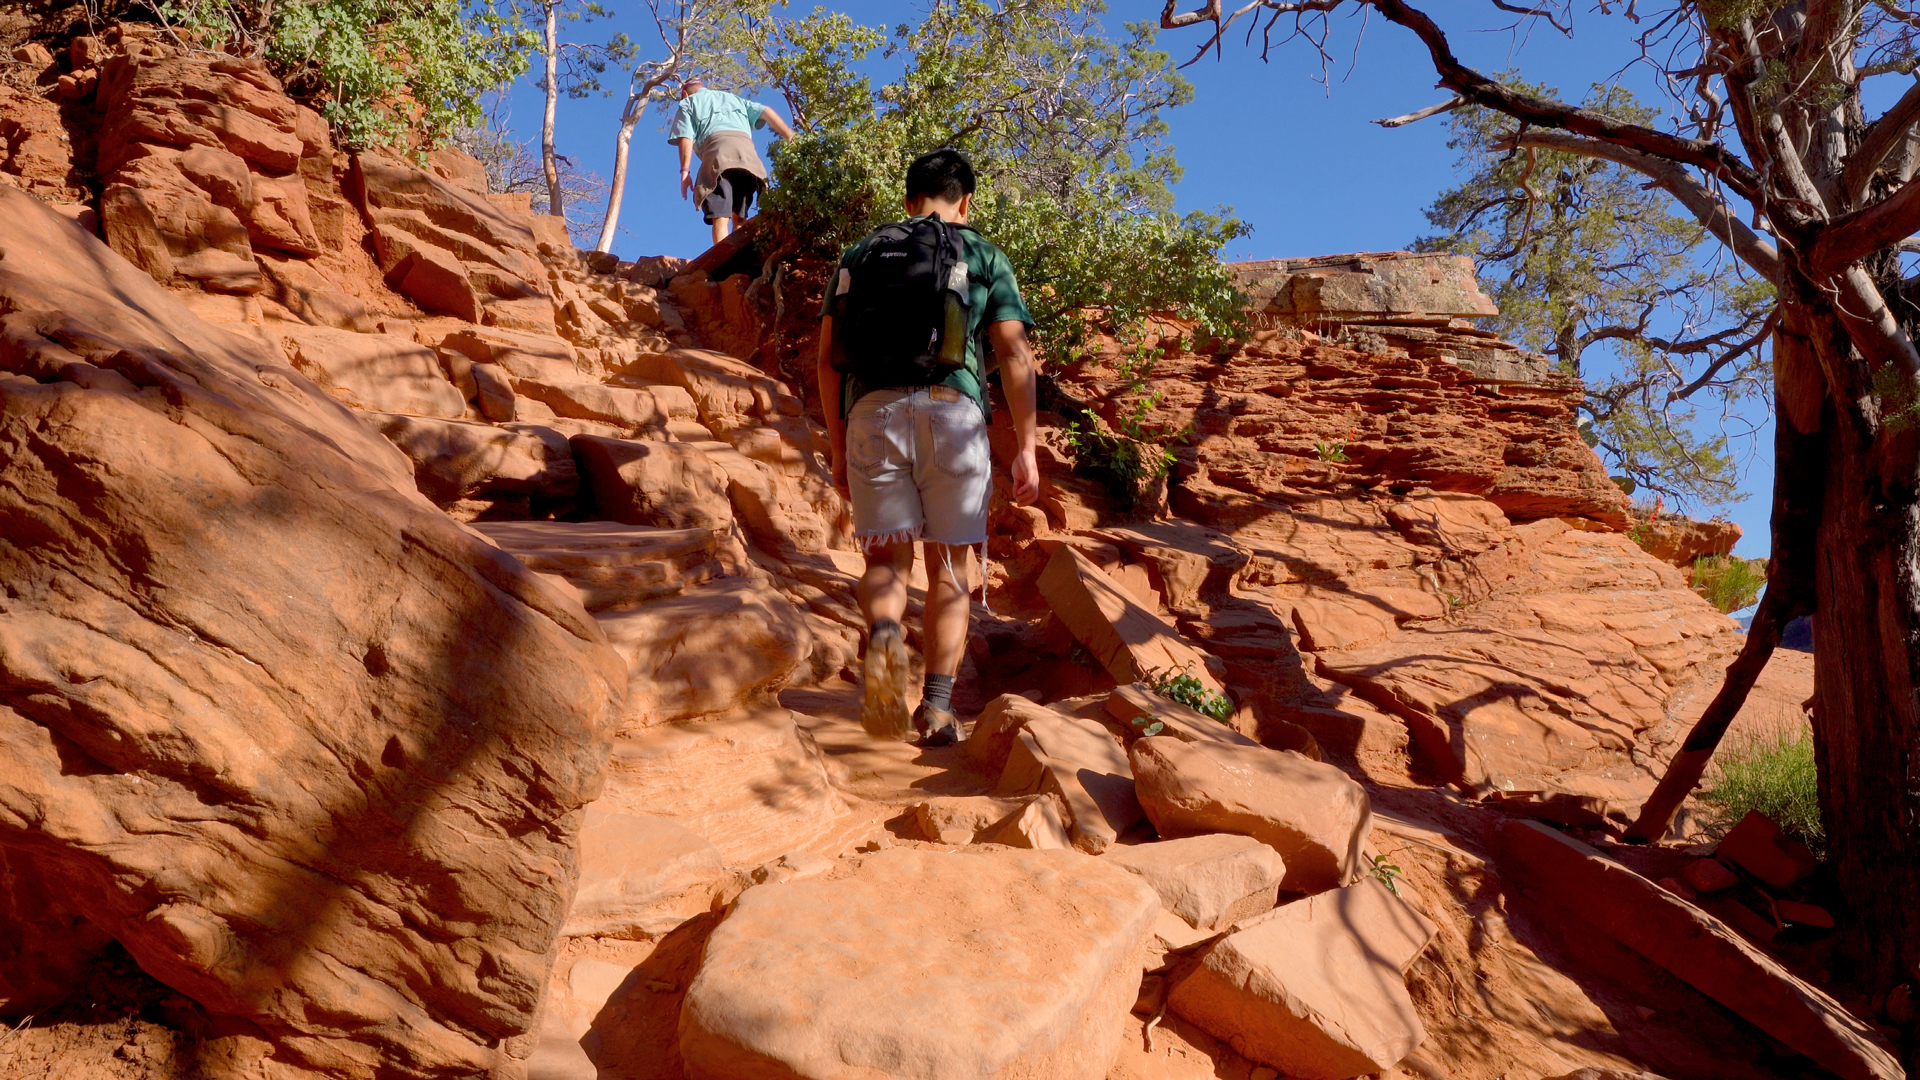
1064 126
1586 262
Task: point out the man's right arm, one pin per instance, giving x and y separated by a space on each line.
829 383
686 164
1017 378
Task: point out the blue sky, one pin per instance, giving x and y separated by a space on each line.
1295 158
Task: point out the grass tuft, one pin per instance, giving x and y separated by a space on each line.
1729 582
1773 774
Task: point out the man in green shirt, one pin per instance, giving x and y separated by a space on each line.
720 127
915 461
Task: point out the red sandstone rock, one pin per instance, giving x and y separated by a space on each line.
275 665
705 652
995 729
1309 812
662 484
791 980
640 875
1700 950
1083 765
1210 881
1757 846
613 567
1131 642
458 461
372 371
1315 988
1682 540
1709 876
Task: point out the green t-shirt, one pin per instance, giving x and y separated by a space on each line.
994 297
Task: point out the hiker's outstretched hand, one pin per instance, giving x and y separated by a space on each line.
1026 477
839 459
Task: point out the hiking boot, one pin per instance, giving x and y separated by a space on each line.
883 688
937 727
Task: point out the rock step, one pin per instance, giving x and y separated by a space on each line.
614 566
753 784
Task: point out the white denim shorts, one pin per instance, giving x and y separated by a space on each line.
919 467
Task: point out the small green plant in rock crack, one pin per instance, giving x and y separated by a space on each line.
1334 452
1148 725
1183 688
1384 872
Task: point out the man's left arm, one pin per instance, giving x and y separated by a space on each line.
1017 378
686 166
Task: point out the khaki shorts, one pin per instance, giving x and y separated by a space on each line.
919 467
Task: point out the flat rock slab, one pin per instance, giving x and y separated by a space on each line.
707 651
1310 812
1210 881
1080 762
1699 949
754 785
1129 639
1315 989
616 567
923 965
640 875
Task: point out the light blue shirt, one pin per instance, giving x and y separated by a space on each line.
704 112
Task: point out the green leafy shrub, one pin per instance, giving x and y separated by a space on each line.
1774 774
1127 467
1184 689
1729 582
1334 452
403 74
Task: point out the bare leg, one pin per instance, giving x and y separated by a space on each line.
721 227
948 608
887 668
883 588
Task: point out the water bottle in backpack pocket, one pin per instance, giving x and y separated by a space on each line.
900 310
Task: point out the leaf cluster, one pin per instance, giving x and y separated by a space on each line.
1064 126
400 74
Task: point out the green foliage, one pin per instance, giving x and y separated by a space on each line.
1729 582
1774 774
1588 264
1183 688
1127 467
1064 127
1384 872
402 74
1334 452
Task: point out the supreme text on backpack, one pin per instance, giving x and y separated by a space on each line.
900 309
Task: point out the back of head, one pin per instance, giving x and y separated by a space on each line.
692 85
945 174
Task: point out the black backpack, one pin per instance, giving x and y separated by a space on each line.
900 310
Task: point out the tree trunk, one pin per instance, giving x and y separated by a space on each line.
618 187
1866 719
549 161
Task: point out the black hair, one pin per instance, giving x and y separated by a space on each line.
944 174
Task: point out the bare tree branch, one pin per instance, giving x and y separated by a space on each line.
1707 208
1448 105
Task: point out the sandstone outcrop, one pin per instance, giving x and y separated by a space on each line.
239 644
1022 964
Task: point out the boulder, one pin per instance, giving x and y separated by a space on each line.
1084 765
1129 640
708 651
627 407
1137 708
1316 989
1756 844
1313 814
1021 963
1698 949
313 719
1039 823
662 484
373 371
958 819
526 355
1210 881
640 876
457 460
996 728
